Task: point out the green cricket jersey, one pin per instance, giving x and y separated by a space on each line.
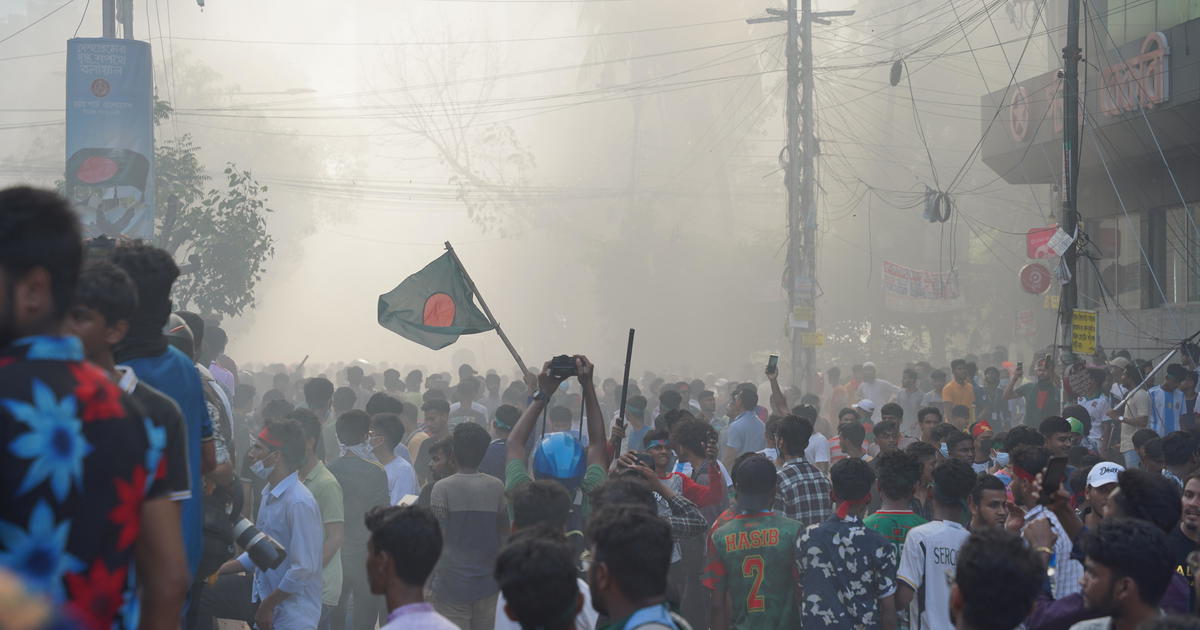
752 556
894 525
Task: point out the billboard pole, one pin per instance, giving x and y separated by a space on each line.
109 16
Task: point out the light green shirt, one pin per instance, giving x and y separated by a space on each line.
515 475
328 493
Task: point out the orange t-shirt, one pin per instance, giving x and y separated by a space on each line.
955 394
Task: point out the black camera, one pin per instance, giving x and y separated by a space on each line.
644 458
264 551
562 366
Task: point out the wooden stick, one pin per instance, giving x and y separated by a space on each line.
625 388
487 311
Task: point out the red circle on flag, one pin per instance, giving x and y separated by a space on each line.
1035 278
439 310
96 169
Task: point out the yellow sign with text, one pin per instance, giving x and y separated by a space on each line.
812 340
1083 331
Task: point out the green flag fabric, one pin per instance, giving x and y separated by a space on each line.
433 306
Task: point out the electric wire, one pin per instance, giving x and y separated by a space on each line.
37 21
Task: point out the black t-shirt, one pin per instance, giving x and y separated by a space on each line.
1180 546
164 413
421 460
425 499
494 459
364 486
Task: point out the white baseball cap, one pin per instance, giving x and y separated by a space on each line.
1103 474
866 405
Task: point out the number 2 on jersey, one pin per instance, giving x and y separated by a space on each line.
752 566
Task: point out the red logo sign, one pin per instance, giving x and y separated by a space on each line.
1035 278
101 88
1140 82
1037 242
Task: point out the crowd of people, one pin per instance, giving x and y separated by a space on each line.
150 482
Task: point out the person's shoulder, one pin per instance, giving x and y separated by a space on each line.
915 520
487 482
1103 623
325 476
176 359
445 483
348 464
789 525
300 494
325 487
824 530
925 530
866 531
724 524
341 467
162 408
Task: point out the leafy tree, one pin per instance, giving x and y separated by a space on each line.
218 234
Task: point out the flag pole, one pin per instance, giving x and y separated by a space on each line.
487 311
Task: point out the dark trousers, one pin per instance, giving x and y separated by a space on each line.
327 614
694 603
228 598
357 603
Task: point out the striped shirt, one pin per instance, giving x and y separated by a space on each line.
1165 409
1066 570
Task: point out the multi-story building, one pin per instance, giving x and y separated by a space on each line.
1138 190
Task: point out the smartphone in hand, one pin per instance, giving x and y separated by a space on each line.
1052 478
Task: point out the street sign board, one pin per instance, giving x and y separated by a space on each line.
1035 278
1037 242
1083 331
812 339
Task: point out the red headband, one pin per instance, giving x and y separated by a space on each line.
843 507
980 428
266 437
1024 475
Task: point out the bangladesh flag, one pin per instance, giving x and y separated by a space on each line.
433 306
108 167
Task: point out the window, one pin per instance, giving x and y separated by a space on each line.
1173 243
1116 275
1132 20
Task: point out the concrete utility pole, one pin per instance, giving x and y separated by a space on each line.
127 18
800 179
1070 217
807 268
109 16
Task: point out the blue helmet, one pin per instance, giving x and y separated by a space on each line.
559 456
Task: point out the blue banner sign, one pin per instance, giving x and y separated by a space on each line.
110 136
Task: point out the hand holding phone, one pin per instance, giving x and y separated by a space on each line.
773 364
1052 478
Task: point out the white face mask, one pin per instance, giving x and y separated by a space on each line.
261 470
362 451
